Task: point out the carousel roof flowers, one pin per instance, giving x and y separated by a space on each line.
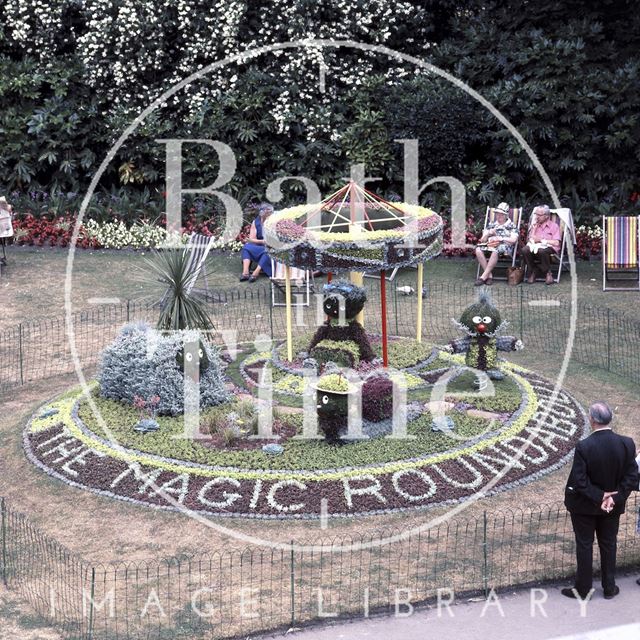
353 230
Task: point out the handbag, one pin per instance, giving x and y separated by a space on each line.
515 275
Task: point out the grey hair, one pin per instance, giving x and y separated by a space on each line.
600 412
264 207
544 208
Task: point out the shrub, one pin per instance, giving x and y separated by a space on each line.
141 362
377 398
180 308
241 416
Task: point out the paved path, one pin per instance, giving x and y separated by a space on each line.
509 616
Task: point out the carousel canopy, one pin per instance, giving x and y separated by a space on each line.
353 230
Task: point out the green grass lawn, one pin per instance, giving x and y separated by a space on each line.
33 283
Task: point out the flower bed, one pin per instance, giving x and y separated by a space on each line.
55 231
115 234
374 475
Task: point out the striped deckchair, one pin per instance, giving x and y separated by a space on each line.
197 250
301 285
515 215
620 252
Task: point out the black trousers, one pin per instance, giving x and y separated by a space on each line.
606 528
543 257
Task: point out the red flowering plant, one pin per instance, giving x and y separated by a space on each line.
45 231
470 237
588 242
146 408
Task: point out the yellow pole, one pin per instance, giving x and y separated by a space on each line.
419 294
287 296
358 278
355 277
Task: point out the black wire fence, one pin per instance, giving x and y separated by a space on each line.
602 338
235 592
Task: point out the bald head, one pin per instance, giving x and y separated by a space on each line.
600 414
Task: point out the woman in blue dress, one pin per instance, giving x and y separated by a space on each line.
254 250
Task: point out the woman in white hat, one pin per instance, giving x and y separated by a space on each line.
498 239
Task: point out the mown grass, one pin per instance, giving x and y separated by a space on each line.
33 284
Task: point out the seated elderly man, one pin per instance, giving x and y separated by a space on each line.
498 239
542 243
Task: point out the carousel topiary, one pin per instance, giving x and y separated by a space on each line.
482 323
357 231
342 300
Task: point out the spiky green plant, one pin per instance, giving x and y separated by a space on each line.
179 308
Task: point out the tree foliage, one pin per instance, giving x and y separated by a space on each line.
74 74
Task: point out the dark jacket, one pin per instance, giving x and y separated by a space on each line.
604 461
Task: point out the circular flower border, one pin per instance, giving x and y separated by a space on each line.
56 441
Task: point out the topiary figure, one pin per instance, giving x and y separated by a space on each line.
145 363
481 321
197 351
342 298
332 397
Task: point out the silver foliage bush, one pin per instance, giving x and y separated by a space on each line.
142 362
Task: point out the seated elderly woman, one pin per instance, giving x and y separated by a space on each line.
498 239
254 250
542 243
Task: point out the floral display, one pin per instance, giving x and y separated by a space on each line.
515 448
55 231
115 234
588 241
415 237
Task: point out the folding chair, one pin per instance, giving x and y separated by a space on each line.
301 285
620 244
564 219
515 215
197 250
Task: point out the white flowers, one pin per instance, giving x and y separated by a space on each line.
592 232
140 235
131 51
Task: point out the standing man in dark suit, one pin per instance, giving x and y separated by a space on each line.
603 474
